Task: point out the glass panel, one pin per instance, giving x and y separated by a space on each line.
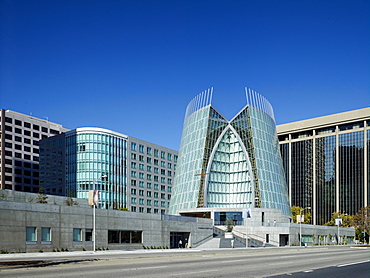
45 234
31 234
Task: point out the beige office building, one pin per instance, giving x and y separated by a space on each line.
19 149
326 161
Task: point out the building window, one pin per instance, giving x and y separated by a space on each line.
124 237
141 158
148 160
77 235
148 202
133 146
141 167
18 130
53 131
156 153
31 236
133 156
148 210
133 200
88 235
169 157
36 127
27 133
45 235
149 151
27 124
141 209
18 122
133 174
133 209
44 129
141 148
133 182
133 165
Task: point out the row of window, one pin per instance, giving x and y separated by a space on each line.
19 155
149 186
18 171
114 236
19 147
149 177
28 125
19 139
321 131
22 180
155 152
149 202
155 169
149 194
19 163
27 132
148 210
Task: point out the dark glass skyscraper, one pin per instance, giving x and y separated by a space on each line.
326 161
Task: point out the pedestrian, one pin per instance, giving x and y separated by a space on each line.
232 243
180 243
186 243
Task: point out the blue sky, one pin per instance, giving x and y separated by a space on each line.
133 66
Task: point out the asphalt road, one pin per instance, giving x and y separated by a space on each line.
263 262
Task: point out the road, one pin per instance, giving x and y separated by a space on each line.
262 262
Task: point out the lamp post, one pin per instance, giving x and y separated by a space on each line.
300 224
95 203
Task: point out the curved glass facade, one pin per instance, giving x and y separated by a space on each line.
95 159
226 164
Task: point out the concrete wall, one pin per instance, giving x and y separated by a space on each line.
18 212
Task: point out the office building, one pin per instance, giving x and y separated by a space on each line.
326 161
128 172
227 165
19 149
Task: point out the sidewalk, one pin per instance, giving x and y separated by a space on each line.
91 253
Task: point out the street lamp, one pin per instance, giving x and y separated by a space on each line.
300 224
95 202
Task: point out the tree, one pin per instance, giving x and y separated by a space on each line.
229 225
361 221
347 220
297 211
42 198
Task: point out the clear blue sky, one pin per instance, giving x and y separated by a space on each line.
133 66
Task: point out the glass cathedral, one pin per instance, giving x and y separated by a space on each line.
229 164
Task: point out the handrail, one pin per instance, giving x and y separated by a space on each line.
195 244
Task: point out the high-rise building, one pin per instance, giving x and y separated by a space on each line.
128 172
326 161
230 163
19 149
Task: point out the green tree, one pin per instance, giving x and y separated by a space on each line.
347 220
42 198
297 211
361 221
